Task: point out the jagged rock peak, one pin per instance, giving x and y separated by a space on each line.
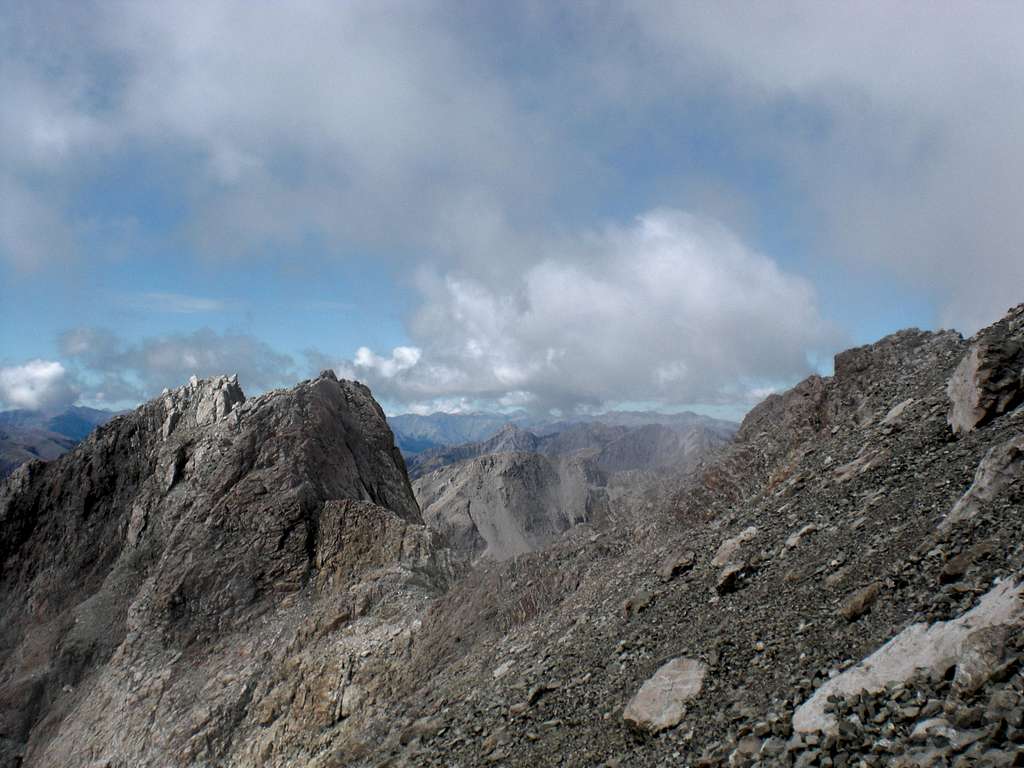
989 381
204 400
198 517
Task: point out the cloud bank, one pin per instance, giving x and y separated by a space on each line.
116 371
38 385
471 136
672 309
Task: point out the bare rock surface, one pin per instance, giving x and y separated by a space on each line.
963 643
661 701
191 563
1002 466
318 623
989 381
507 504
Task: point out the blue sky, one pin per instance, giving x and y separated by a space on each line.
541 205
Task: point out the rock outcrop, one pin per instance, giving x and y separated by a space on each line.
989 381
182 588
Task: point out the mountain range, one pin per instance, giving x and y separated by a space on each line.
415 433
26 435
215 580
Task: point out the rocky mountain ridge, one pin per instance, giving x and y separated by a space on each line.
187 560
841 586
416 433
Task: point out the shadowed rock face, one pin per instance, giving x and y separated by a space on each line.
173 533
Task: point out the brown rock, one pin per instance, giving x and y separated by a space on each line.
676 563
860 602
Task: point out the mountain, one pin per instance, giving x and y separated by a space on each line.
216 581
509 503
26 435
510 439
649 447
416 433
192 564
517 492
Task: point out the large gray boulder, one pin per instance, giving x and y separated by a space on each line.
989 381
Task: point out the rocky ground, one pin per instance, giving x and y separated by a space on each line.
845 488
863 532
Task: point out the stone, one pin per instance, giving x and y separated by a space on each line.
981 655
1002 465
896 412
795 538
637 603
935 647
988 382
728 579
661 701
422 728
857 604
728 548
867 460
676 563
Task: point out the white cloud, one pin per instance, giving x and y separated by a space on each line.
895 122
127 372
37 385
672 309
891 132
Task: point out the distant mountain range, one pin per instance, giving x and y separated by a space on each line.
415 433
518 490
26 435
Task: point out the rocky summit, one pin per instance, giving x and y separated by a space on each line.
216 581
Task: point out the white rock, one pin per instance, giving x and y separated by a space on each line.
661 701
935 647
793 540
1001 466
897 411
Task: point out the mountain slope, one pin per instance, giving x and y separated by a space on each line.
227 587
846 514
162 583
508 503
29 435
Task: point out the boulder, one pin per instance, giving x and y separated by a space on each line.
661 701
936 647
729 547
1002 465
988 382
676 563
860 602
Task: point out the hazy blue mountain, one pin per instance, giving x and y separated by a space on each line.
648 446
26 435
416 433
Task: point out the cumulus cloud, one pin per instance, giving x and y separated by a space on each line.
894 123
672 309
43 385
446 135
131 371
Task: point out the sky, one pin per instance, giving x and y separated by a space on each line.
556 206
